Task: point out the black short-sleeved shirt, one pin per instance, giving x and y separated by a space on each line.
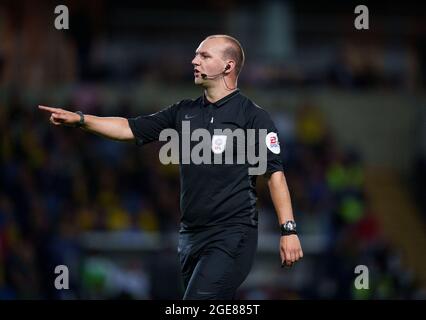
215 194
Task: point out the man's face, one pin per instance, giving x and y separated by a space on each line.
208 59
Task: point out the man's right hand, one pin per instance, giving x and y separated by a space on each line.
116 128
61 117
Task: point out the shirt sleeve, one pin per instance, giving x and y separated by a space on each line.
147 128
269 138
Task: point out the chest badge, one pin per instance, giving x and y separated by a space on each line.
218 143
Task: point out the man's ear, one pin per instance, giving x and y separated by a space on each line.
230 65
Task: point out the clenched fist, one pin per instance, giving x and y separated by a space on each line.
290 250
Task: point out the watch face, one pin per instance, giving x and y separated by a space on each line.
290 225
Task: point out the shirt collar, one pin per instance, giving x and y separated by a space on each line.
222 101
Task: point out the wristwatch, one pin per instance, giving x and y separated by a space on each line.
81 122
288 228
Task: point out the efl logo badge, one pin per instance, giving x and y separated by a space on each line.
272 142
218 144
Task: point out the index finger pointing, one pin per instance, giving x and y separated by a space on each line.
48 108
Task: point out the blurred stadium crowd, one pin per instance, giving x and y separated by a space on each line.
59 184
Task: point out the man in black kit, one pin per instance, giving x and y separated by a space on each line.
218 234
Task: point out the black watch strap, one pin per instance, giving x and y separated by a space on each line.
81 122
287 233
288 228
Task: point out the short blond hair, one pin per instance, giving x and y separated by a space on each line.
234 51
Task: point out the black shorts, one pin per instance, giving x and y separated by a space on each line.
215 262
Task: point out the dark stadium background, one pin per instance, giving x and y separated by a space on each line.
350 107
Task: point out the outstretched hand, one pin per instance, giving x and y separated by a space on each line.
61 117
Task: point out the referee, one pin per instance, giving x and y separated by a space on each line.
218 231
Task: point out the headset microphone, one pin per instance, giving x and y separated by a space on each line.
205 76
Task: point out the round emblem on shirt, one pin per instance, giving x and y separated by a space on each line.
272 142
218 143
